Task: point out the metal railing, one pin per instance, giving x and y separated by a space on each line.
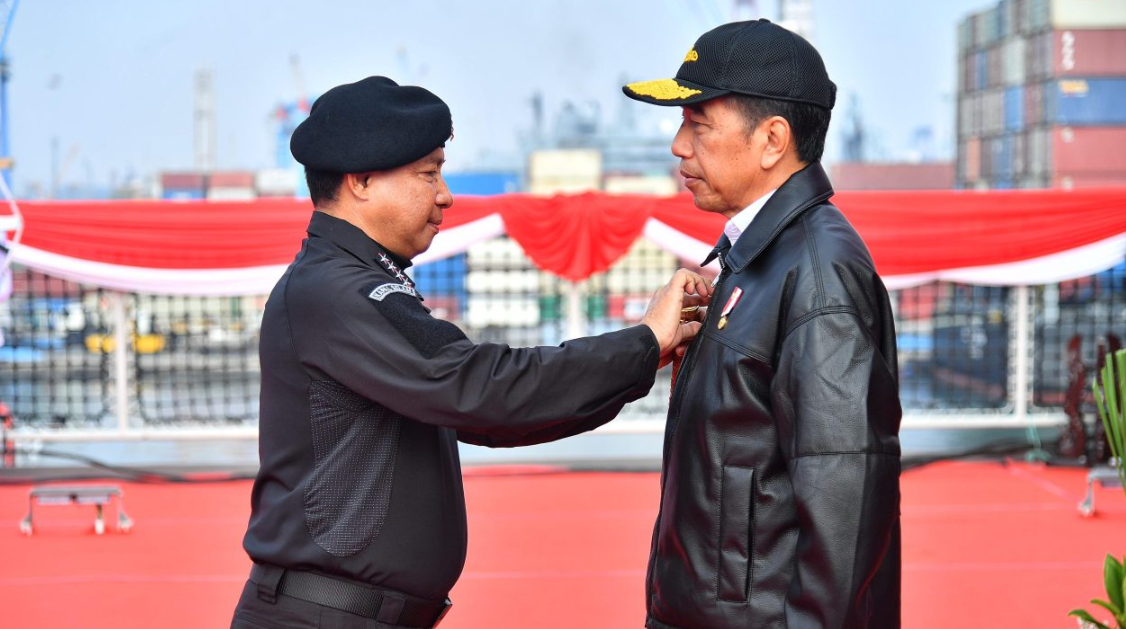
84 363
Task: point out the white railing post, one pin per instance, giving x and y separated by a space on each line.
1022 370
122 340
576 316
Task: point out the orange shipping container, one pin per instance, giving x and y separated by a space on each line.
973 159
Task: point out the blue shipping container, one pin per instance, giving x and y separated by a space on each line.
1014 109
483 183
182 194
1091 102
1002 158
444 277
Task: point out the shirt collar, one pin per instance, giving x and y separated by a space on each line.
352 239
741 221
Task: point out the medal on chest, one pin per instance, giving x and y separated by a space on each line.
732 301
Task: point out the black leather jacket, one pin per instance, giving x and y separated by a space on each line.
780 487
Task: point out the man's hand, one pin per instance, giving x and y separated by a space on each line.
664 316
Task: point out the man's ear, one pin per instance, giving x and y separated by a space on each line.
358 185
779 138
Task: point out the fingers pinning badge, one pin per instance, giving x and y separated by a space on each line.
687 314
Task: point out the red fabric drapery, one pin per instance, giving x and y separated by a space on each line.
574 236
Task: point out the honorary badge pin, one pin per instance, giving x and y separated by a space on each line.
731 301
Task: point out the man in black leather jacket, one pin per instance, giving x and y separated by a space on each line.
780 487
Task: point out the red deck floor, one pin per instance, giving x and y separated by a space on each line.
986 545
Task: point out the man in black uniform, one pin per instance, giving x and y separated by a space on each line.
358 514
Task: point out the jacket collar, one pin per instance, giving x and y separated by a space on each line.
804 189
352 239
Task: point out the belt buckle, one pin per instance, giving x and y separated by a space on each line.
442 614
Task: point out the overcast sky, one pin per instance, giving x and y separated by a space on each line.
112 81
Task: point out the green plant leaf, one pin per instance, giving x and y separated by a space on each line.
1107 606
1083 615
1112 576
1117 383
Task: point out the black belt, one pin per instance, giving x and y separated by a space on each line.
346 595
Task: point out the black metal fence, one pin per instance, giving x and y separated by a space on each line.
191 361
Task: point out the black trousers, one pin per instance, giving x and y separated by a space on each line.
294 613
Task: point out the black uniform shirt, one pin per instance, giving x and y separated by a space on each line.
364 397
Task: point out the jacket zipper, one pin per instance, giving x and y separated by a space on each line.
670 431
686 375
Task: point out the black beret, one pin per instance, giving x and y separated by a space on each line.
373 124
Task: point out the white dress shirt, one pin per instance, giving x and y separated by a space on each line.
741 221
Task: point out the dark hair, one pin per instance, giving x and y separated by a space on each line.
323 185
810 123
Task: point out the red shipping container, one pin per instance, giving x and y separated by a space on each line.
182 181
893 176
1082 52
1078 182
1089 151
232 179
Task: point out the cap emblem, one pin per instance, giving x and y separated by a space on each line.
662 89
692 56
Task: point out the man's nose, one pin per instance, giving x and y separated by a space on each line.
681 147
445 198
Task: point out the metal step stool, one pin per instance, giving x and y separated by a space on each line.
97 495
1105 477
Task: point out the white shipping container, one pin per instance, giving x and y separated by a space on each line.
503 253
965 35
496 282
969 122
645 184
276 182
1022 17
565 164
1039 14
1038 147
483 311
1013 60
231 194
1007 14
992 112
556 185
1088 13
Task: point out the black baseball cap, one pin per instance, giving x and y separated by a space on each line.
756 58
372 124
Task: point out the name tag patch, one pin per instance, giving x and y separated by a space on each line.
379 292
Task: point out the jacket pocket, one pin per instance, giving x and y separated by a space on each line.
736 521
348 494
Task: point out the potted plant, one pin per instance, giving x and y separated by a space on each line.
1110 399
1114 574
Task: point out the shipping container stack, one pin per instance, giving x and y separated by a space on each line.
1042 95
